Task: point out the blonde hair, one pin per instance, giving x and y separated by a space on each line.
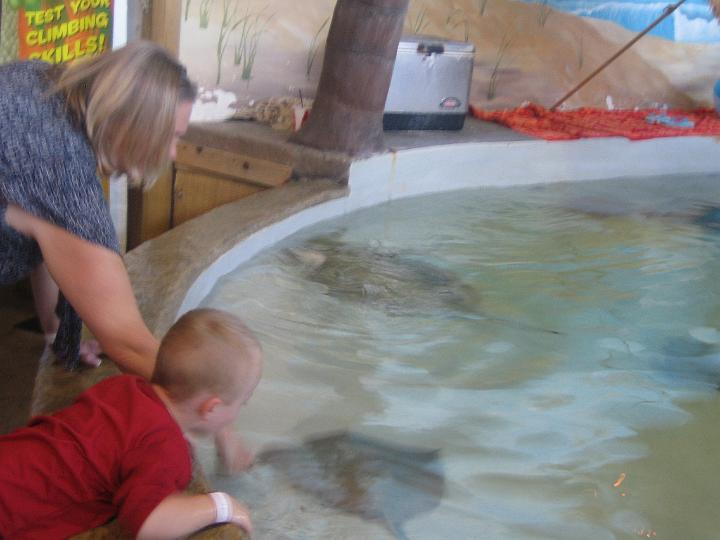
126 101
206 350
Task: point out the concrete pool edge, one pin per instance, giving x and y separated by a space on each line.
174 272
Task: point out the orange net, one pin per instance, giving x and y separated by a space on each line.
537 121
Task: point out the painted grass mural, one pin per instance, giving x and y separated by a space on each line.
525 51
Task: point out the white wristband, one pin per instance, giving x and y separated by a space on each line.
223 506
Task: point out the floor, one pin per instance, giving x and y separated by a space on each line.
19 353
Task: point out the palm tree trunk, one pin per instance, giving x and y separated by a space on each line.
359 57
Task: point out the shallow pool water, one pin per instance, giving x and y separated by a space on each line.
519 363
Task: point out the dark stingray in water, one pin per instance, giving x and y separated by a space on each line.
690 358
394 282
709 218
376 480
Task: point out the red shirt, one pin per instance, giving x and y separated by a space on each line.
116 451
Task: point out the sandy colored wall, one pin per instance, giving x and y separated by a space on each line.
8 33
524 52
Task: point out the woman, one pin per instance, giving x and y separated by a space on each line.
120 112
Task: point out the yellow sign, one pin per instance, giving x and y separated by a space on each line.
59 31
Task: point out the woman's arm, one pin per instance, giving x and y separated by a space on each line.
95 282
179 515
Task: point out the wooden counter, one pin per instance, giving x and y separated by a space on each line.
221 162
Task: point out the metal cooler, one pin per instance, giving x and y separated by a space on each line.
430 84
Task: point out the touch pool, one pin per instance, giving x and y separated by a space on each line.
532 362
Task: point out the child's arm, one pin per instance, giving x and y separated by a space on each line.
179 515
234 456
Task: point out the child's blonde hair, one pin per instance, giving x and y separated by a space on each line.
202 352
126 101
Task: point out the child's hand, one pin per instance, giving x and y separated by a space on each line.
241 516
233 454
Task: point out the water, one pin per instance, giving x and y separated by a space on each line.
557 345
692 22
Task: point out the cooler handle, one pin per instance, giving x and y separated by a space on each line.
430 48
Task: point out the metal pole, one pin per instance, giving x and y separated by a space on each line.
667 11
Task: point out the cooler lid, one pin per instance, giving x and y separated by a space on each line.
433 44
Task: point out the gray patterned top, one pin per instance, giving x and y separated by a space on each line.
48 168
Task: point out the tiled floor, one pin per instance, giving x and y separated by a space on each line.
19 354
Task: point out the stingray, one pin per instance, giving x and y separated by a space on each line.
689 358
394 282
376 480
708 218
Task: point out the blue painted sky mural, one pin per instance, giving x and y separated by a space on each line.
692 22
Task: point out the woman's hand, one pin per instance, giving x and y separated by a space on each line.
45 294
95 282
90 352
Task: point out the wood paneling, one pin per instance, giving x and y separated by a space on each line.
232 165
149 212
197 192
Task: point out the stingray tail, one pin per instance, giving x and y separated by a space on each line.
525 326
515 324
397 530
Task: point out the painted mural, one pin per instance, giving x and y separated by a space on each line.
692 22
525 51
